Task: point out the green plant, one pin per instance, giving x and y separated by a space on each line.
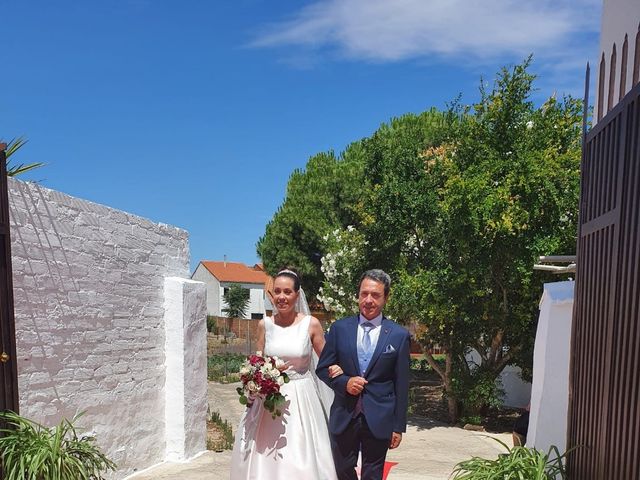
422 365
519 463
472 419
224 367
223 427
12 170
31 451
416 364
411 409
477 389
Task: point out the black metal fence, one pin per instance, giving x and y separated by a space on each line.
604 413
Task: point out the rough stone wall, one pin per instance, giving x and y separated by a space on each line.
89 302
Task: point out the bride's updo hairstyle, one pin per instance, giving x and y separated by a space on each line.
290 273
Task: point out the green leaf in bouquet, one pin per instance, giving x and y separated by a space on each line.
242 400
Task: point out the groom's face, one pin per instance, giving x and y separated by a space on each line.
371 298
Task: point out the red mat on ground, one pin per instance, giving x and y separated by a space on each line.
387 468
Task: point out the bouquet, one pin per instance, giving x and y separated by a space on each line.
262 377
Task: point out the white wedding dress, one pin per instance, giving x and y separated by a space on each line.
296 445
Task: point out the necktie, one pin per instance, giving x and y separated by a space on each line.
366 340
364 360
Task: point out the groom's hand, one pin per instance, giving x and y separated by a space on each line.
396 438
355 385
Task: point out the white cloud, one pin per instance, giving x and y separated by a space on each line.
396 30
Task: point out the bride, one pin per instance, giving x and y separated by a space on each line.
295 445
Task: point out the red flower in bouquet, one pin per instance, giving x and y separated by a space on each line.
262 377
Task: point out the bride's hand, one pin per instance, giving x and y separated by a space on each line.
283 366
335 371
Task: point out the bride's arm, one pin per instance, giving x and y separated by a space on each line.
260 339
317 340
317 335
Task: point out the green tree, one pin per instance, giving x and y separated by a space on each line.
512 195
322 197
236 299
500 189
457 205
407 232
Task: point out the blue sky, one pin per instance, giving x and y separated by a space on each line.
195 113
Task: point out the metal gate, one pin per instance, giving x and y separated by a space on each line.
8 368
604 398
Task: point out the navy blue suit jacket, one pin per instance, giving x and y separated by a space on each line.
385 397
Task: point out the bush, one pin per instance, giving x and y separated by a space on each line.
472 419
422 365
224 367
477 392
212 324
519 463
30 451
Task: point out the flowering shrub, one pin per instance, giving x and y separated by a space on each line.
262 377
342 266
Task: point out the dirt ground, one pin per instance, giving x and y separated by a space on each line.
429 450
428 407
427 403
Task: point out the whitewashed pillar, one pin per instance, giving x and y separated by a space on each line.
551 357
186 368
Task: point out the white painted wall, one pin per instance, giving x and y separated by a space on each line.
90 318
186 377
256 301
619 18
213 289
551 357
215 293
516 391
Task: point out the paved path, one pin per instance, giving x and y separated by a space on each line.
429 449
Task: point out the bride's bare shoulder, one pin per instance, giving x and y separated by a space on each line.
314 323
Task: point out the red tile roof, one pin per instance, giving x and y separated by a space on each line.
236 272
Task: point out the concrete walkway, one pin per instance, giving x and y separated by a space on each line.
429 450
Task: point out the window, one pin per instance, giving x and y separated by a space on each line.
256 316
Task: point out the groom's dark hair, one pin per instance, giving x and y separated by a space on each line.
377 275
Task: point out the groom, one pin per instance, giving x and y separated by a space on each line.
369 412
